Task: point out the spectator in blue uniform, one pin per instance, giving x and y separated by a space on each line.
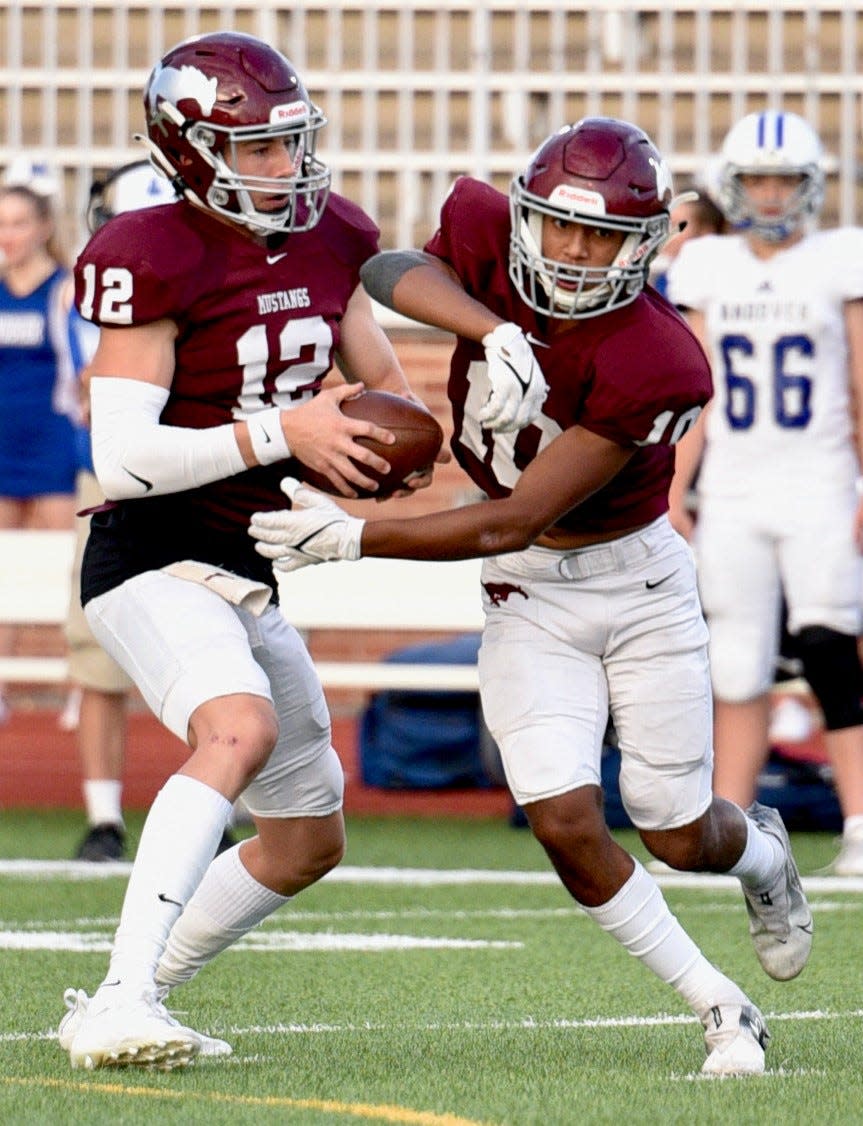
39 363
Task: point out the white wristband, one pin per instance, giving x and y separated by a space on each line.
858 487
267 437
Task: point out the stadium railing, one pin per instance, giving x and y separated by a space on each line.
386 597
418 93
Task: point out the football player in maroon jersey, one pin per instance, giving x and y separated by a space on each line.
219 317
607 618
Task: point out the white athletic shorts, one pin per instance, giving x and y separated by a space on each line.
570 636
748 552
183 645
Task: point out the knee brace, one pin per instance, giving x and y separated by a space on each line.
831 665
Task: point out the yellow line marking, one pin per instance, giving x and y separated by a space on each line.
401 1114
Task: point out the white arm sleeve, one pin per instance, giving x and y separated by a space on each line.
134 455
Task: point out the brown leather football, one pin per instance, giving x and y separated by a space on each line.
418 440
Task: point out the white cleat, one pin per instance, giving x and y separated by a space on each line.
77 1002
780 920
735 1037
123 1032
849 862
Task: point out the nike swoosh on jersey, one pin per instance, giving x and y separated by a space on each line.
148 485
272 259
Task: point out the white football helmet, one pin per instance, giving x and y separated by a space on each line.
36 172
778 144
129 188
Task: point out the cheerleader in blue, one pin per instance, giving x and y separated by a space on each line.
39 362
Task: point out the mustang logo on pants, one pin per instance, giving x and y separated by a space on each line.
500 592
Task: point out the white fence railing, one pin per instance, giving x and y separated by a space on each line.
418 92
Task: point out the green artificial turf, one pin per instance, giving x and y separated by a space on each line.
431 999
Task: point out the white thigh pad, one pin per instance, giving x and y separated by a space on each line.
546 705
181 644
738 576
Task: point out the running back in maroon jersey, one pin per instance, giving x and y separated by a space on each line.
599 375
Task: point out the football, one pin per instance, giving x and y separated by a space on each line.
418 440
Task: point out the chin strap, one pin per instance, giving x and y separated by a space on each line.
161 165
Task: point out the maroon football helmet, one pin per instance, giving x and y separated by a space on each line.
602 172
213 91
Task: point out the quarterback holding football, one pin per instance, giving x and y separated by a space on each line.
219 316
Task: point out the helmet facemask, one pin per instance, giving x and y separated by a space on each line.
799 210
771 143
572 292
231 192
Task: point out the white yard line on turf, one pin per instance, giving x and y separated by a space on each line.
419 877
525 1024
260 941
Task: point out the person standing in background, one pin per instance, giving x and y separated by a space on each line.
39 363
778 306
105 687
695 215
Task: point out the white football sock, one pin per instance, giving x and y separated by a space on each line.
102 800
178 841
640 919
227 905
761 859
852 827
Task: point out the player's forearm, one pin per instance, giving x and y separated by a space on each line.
421 287
481 529
568 471
135 455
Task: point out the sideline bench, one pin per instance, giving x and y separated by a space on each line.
381 595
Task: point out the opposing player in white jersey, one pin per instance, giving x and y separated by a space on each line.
779 307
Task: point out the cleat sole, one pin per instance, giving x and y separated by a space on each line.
165 1055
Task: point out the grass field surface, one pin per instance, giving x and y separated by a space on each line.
440 977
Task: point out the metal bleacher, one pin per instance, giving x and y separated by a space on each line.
419 92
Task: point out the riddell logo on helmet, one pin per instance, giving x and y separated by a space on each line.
290 111
577 199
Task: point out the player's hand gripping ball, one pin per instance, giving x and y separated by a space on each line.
418 441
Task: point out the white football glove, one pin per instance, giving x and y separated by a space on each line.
518 387
314 530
